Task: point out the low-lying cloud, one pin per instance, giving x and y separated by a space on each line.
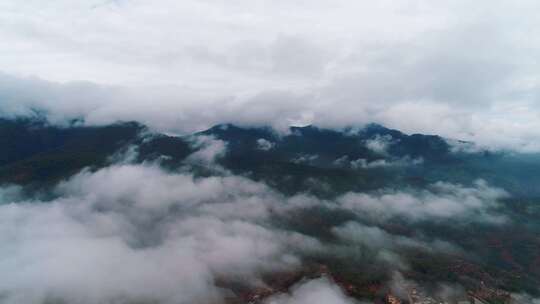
442 201
125 233
316 291
362 163
461 70
183 111
131 232
377 238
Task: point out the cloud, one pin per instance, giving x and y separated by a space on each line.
460 69
379 144
305 158
372 245
264 144
525 298
435 292
443 201
208 149
378 239
10 193
182 110
136 232
362 163
457 146
315 291
405 161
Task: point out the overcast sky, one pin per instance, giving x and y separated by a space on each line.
461 69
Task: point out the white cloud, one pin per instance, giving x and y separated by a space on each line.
459 69
315 291
362 163
132 232
443 201
264 144
305 158
136 232
379 144
208 148
378 239
405 161
525 298
10 194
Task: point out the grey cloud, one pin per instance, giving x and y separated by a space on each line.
285 56
10 193
457 146
377 238
264 144
305 158
525 298
379 144
441 201
362 163
184 110
208 148
458 69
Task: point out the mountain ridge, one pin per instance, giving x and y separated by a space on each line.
352 159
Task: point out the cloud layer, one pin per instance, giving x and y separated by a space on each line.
459 69
444 201
315 291
128 233
137 232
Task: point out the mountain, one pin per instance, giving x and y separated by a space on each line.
352 159
368 158
416 192
34 151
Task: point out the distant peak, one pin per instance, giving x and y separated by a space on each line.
375 126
